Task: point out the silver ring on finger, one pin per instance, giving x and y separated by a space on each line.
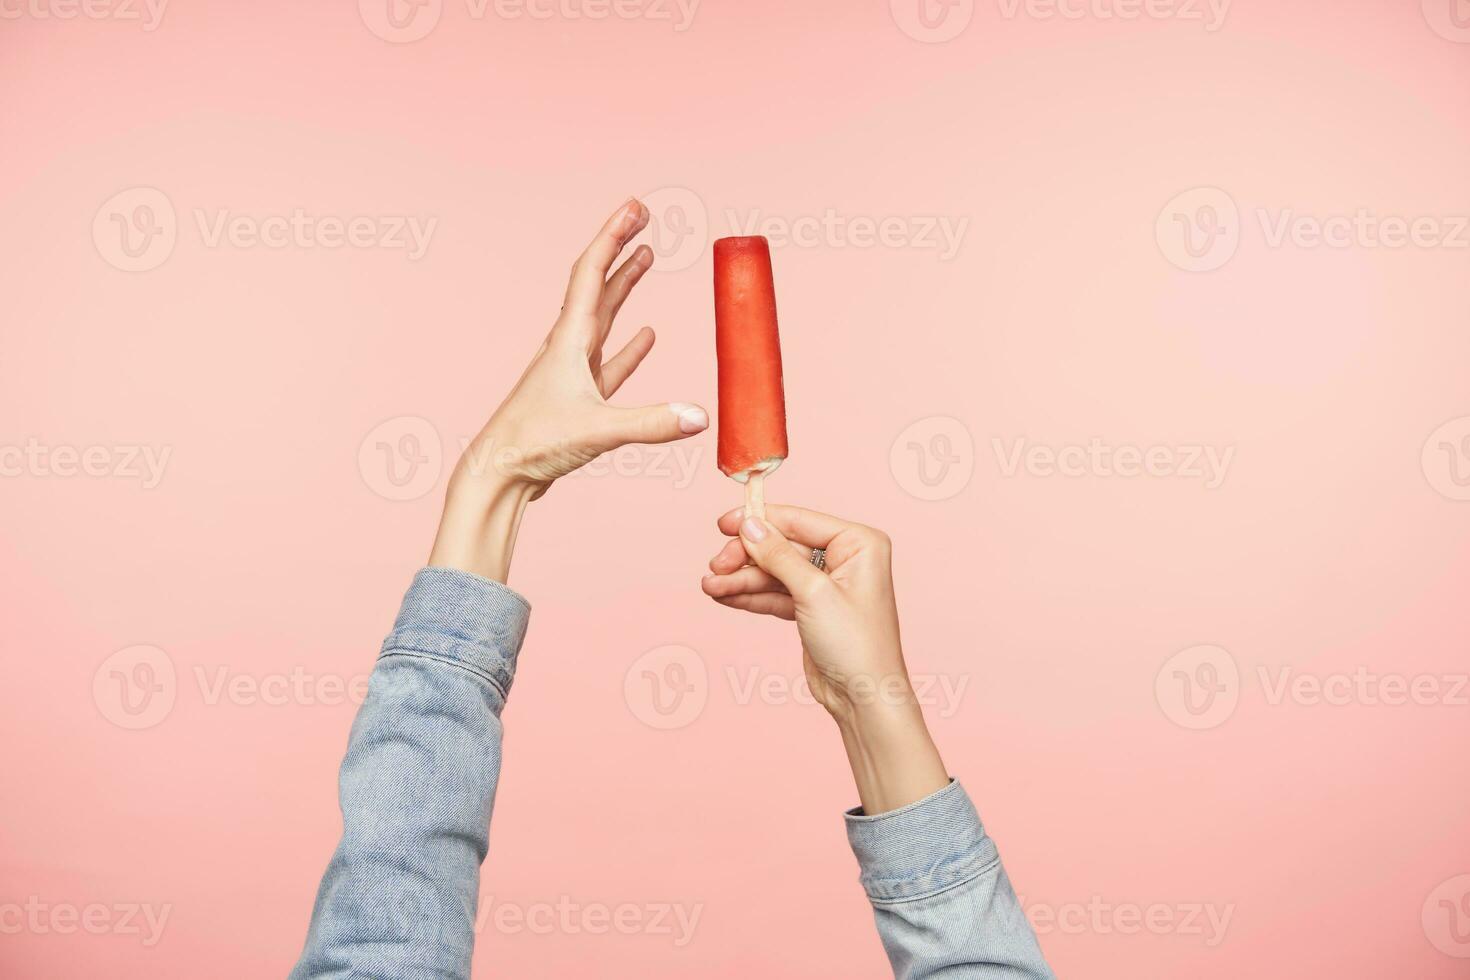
819 558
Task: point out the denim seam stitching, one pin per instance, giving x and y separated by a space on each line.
903 899
439 658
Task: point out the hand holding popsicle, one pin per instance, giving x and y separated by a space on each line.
845 613
847 619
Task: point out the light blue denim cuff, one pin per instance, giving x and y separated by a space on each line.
921 849
462 619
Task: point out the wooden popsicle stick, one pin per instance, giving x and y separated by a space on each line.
755 496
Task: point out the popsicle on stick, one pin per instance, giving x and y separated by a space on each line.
752 419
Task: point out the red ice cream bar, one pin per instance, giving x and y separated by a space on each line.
752 435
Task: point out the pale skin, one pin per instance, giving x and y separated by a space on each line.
847 618
558 418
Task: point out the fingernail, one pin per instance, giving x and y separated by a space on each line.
753 529
692 418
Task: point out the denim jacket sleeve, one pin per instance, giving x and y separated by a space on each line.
417 786
941 898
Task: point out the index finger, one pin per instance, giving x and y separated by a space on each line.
589 275
809 527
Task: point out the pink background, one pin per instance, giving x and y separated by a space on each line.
1325 830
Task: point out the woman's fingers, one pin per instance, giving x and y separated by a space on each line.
589 274
743 581
767 547
621 365
733 556
808 527
765 603
621 284
649 424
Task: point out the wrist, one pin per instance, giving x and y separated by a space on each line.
893 758
477 532
872 699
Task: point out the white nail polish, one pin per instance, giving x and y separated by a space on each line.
692 418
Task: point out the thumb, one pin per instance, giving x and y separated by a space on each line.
769 549
654 423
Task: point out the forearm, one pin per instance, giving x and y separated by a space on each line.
894 761
941 898
482 517
418 786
